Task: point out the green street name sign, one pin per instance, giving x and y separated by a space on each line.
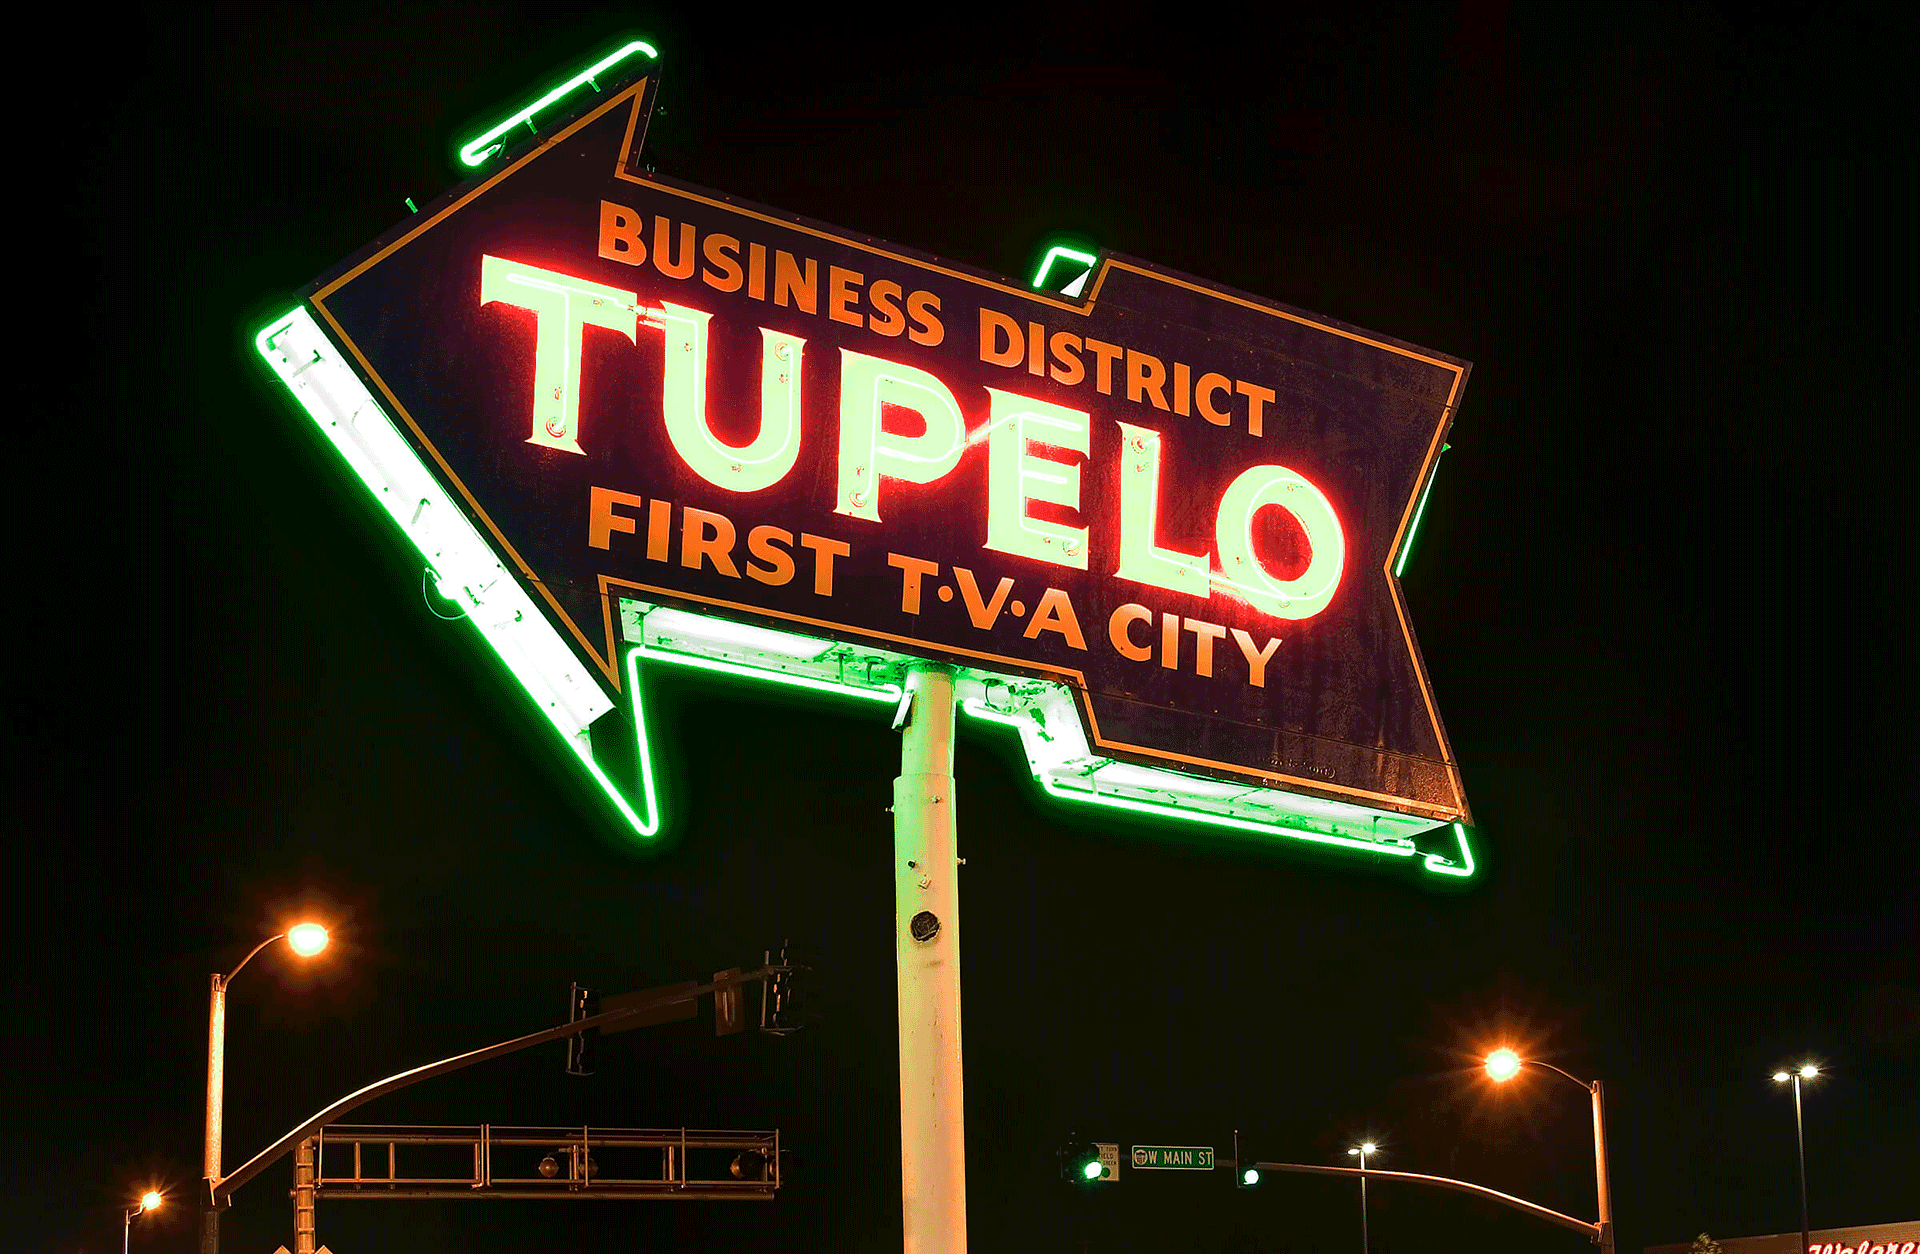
1173 1157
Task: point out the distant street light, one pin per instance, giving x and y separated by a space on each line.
1504 1064
1800 1141
150 1200
1363 1150
306 940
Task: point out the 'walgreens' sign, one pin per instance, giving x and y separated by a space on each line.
1896 1238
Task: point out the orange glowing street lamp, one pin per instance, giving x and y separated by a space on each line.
305 939
1503 1064
150 1200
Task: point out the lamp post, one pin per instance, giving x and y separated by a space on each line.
1363 1150
305 939
1800 1141
1504 1064
150 1200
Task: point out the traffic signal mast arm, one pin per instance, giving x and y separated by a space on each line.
1592 1230
224 1188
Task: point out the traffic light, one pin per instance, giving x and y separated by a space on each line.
783 1003
1245 1174
1079 1161
582 1003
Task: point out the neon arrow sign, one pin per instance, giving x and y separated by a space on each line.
630 423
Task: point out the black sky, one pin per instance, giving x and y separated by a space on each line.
1664 592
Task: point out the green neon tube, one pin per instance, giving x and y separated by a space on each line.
1461 868
477 151
1439 864
1419 513
541 665
1060 252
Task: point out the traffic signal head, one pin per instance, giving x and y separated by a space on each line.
1249 1176
783 1001
1079 1161
582 1003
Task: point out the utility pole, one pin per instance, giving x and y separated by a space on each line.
1603 1187
216 1097
1800 1146
926 908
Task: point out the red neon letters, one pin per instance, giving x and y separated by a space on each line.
867 453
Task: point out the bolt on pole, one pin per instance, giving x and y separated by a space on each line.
933 1165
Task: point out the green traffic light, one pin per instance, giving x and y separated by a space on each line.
1250 1177
1092 1170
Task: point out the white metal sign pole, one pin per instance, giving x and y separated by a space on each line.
926 913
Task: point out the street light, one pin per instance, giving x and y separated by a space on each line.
1363 1150
150 1200
1504 1064
1806 1072
305 939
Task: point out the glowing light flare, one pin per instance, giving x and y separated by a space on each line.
476 152
563 308
1015 478
1503 1064
1809 1071
307 939
867 451
1781 1077
1250 1176
151 1199
1092 1170
767 459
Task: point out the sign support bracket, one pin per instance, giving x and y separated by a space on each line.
926 896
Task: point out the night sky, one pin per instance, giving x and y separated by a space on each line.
1664 592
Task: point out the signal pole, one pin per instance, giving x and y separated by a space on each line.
926 910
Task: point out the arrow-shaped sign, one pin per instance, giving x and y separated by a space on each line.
1154 522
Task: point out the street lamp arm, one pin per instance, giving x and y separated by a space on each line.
249 958
1591 1230
1535 1062
222 1190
